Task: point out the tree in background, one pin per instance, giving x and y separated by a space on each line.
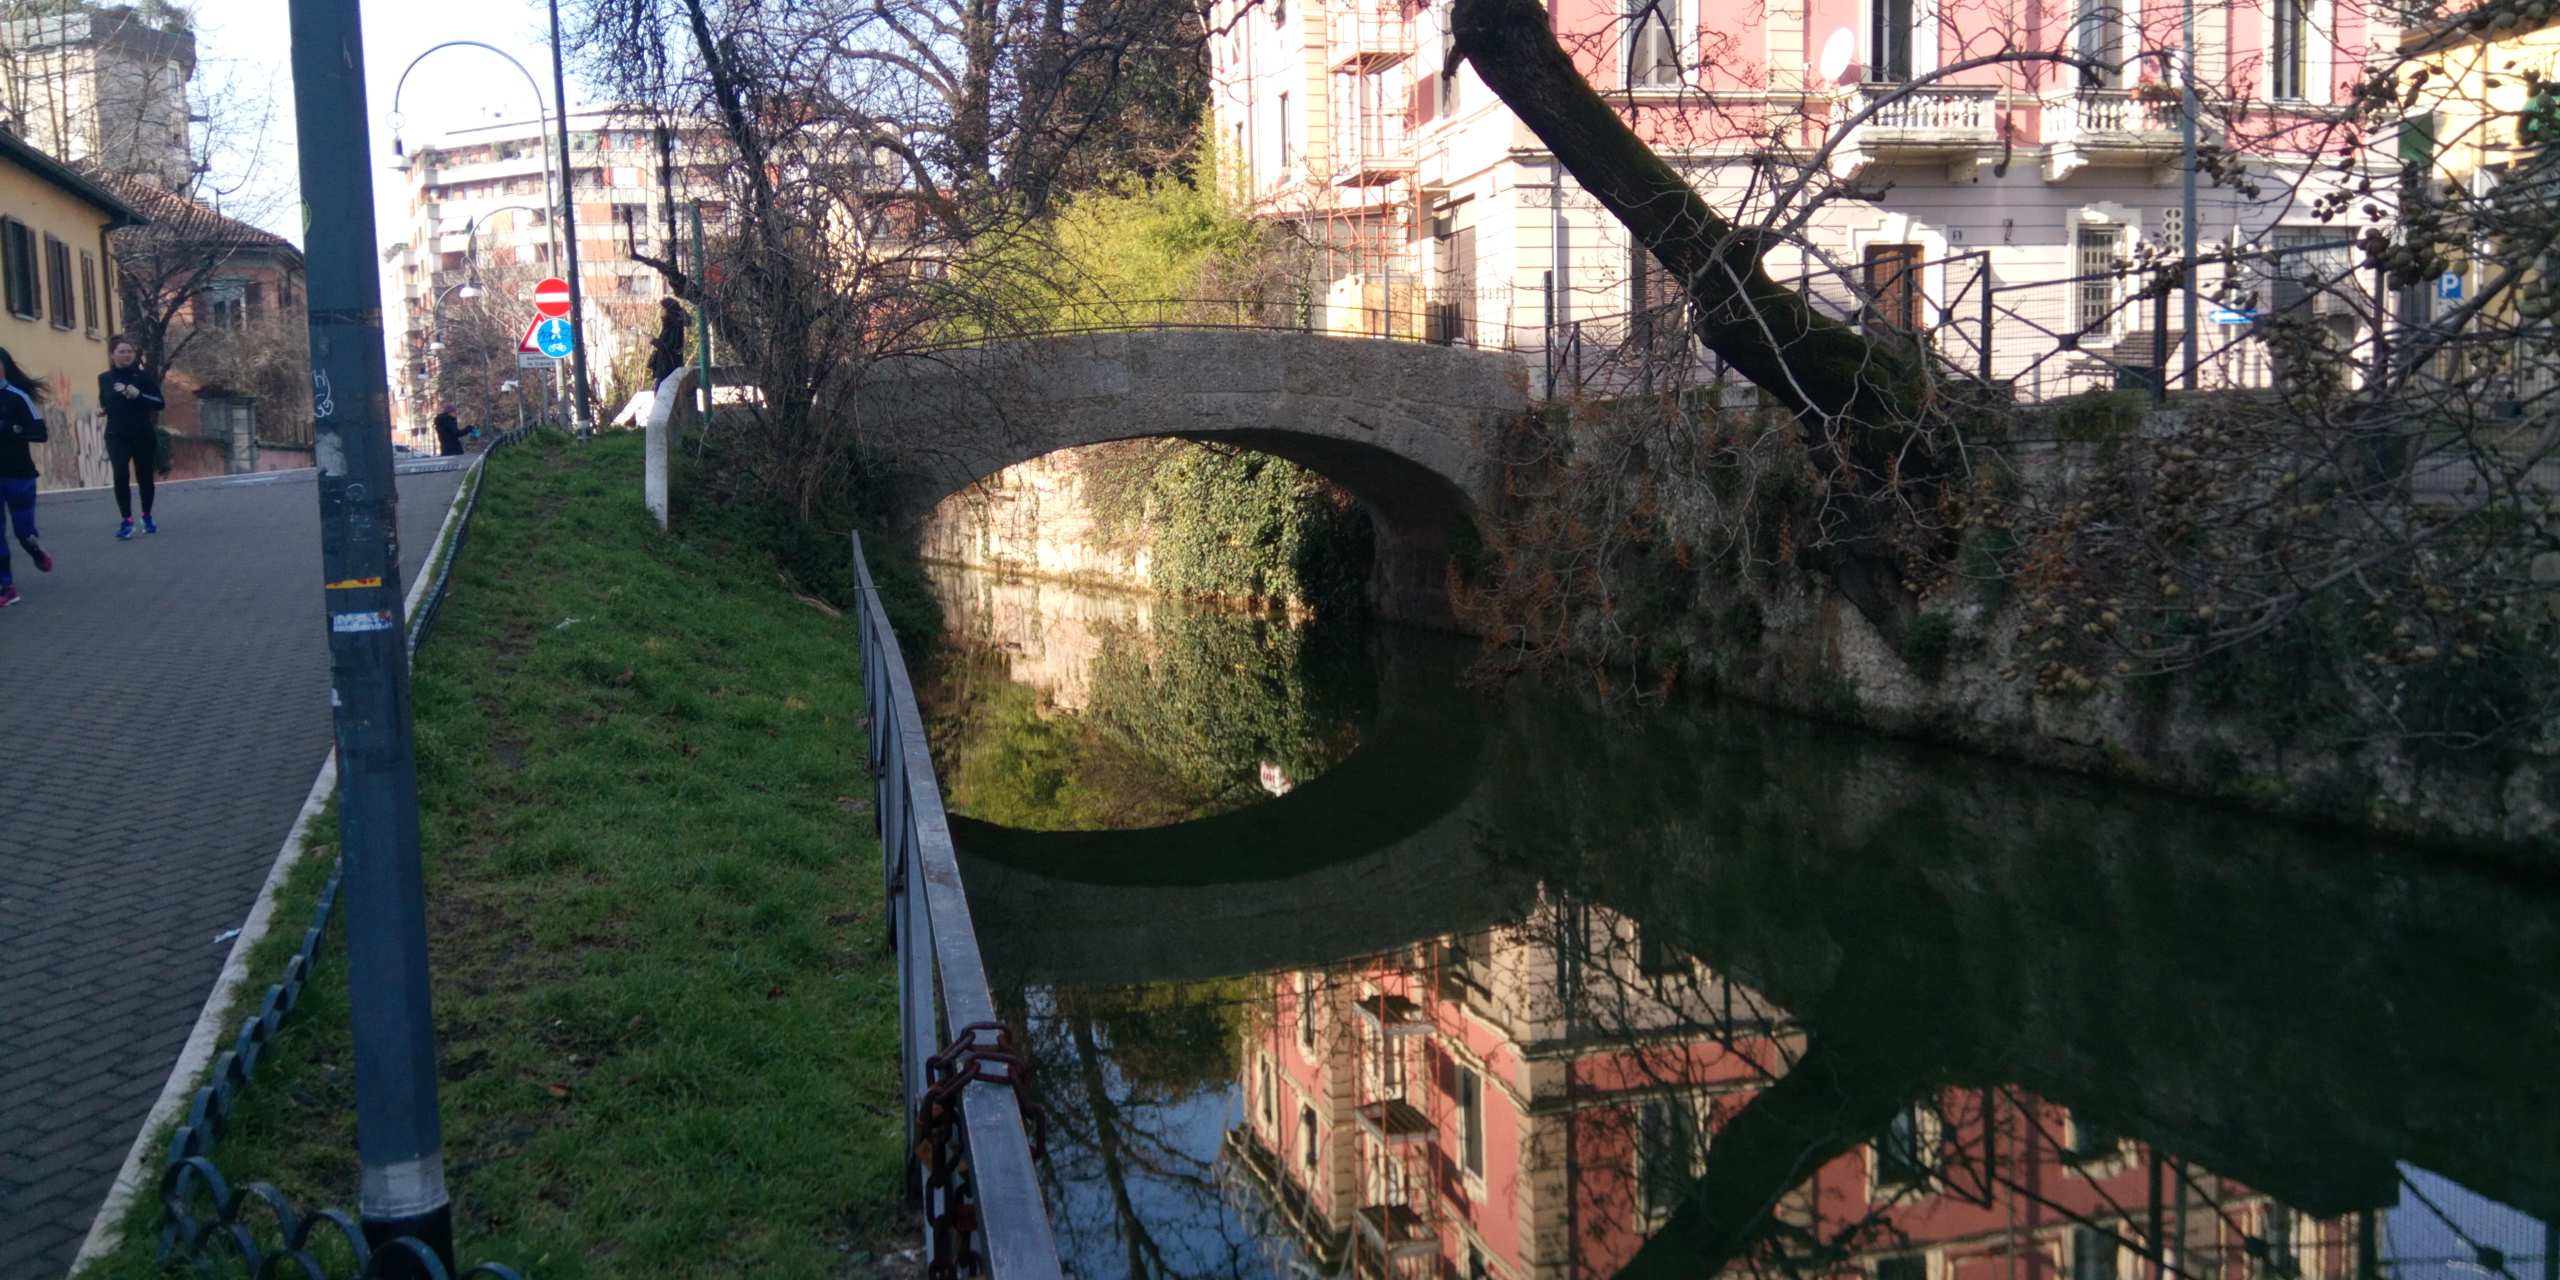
872 146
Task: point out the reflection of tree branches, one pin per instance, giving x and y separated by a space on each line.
1112 1065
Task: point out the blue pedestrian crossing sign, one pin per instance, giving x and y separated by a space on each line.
554 337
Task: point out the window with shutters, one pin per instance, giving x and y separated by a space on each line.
2085 1139
1893 286
89 292
1306 1012
2276 1257
1470 1093
224 305
2094 300
2093 1254
1906 1153
1666 1155
18 244
62 299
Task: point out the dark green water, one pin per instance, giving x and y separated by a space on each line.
1334 968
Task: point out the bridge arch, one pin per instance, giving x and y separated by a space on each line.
1406 428
1381 845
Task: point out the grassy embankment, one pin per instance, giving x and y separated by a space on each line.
667 1030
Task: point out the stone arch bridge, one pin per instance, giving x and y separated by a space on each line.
1405 427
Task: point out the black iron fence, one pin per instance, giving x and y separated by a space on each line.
207 1220
973 1136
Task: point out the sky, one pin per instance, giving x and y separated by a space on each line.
245 69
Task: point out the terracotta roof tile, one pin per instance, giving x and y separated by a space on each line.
184 219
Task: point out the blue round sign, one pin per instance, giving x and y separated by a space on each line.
554 337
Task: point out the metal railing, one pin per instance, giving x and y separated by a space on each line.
973 1167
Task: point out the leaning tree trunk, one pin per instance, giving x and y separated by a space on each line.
1858 400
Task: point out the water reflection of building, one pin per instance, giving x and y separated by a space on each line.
1536 1100
1051 634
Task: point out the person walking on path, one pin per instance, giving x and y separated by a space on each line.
21 425
448 433
131 396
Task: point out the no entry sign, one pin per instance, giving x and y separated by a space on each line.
551 297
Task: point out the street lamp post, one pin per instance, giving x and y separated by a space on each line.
2187 193
399 1136
569 208
553 194
541 117
468 288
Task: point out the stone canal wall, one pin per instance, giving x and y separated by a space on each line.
1036 518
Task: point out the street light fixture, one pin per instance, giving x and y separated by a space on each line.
541 115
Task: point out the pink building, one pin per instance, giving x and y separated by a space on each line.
1536 1100
1441 215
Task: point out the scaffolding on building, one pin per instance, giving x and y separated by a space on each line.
1397 1220
1365 210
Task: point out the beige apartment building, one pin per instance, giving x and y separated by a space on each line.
478 213
103 84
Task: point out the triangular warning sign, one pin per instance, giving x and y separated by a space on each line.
526 346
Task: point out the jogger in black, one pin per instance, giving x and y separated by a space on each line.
131 396
21 424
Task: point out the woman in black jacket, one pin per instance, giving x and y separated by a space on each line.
130 396
21 424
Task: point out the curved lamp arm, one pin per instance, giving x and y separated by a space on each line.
529 82
471 229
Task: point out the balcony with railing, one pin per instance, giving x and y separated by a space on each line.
1370 35
1897 123
1372 137
2087 127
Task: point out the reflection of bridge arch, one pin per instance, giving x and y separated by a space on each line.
1371 854
1402 426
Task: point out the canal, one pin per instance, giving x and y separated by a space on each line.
1334 966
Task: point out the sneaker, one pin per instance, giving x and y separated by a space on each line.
124 531
44 560
149 525
8 596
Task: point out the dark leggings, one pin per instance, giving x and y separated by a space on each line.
139 455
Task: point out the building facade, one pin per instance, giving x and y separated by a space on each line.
478 215
104 85
1534 1102
58 301
1921 165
